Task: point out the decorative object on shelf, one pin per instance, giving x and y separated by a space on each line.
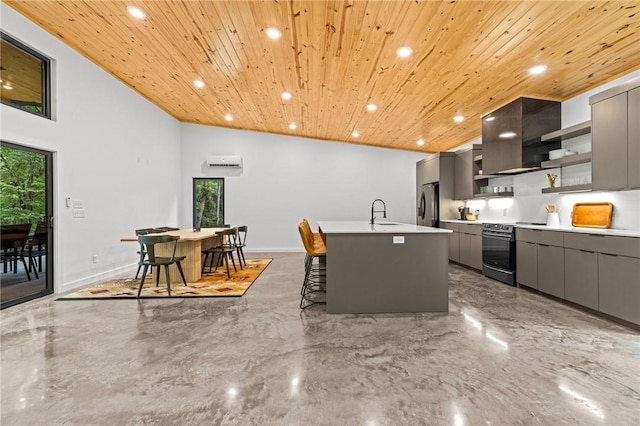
551 178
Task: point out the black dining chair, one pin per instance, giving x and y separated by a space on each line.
13 244
224 246
37 246
241 243
148 246
142 255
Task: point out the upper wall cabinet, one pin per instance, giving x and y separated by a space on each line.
466 169
615 123
511 135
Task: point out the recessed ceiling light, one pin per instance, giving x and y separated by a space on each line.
7 86
507 135
420 142
490 118
371 107
136 13
293 126
228 117
286 96
198 83
273 33
404 51
458 119
355 134
538 69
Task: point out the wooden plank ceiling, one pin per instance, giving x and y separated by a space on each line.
335 57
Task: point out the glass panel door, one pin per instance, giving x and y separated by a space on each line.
26 262
208 202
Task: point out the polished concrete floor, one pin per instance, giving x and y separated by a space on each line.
501 356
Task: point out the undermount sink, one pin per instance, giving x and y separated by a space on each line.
386 223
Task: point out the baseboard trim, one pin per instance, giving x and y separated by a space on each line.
92 279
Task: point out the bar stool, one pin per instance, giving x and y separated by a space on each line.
314 283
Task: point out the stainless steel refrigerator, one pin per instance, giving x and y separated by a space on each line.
429 206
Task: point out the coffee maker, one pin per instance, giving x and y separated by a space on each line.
464 211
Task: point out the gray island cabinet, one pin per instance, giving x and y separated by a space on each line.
386 267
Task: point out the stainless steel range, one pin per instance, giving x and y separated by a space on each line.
499 252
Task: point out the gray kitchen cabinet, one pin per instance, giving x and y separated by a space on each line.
551 270
609 143
619 286
633 99
615 144
471 250
581 277
466 168
527 263
471 245
454 240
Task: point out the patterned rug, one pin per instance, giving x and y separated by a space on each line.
214 284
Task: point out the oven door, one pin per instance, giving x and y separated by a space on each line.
498 251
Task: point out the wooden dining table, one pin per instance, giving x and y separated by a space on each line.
190 244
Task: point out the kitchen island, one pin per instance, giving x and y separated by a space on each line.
385 267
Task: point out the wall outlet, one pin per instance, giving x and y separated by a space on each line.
78 213
398 239
95 258
504 212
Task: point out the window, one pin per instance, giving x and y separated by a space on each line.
24 77
208 202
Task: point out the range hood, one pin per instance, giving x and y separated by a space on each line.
511 136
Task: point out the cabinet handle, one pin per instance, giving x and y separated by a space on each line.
529 242
597 235
587 251
536 230
543 245
609 254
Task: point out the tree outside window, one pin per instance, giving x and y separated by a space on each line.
208 202
22 186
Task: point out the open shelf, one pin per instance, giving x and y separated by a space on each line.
568 133
568 160
572 188
480 177
494 195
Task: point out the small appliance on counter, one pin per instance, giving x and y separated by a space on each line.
464 212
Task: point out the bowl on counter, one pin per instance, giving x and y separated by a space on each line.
557 153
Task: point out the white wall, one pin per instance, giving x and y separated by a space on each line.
528 203
287 178
114 151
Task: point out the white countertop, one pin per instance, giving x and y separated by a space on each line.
382 226
616 232
613 232
466 222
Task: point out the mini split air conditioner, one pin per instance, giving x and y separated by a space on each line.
224 161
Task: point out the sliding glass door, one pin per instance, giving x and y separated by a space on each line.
26 263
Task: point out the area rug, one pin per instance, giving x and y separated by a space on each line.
215 284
